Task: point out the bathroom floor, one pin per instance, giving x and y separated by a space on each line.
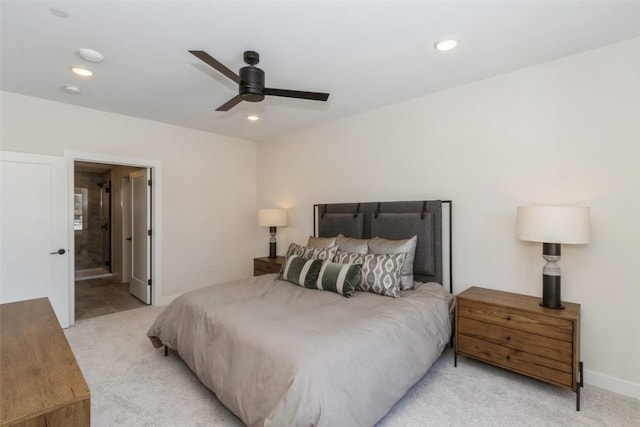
97 297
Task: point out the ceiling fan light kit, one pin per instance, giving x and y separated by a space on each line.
251 81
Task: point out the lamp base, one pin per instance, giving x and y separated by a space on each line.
272 242
272 250
551 292
555 308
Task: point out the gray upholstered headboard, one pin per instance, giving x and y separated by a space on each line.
397 220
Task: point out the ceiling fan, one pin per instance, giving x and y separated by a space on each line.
251 81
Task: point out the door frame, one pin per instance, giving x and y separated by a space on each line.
156 217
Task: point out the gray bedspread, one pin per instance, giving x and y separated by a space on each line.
277 354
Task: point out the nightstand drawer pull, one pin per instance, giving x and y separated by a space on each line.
508 357
508 317
508 338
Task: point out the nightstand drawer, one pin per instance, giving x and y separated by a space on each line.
546 326
516 360
267 265
549 348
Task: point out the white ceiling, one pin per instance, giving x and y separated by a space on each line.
366 54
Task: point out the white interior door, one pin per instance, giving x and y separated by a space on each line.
140 280
34 221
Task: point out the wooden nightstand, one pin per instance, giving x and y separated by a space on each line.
514 332
266 265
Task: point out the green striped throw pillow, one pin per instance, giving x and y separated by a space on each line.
339 278
301 271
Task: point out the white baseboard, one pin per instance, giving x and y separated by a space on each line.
167 300
613 384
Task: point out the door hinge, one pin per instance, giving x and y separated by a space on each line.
149 183
148 232
149 282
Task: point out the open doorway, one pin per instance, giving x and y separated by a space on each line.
92 220
103 212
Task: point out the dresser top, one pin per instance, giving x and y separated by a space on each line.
522 302
39 371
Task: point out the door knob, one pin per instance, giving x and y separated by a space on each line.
59 252
128 238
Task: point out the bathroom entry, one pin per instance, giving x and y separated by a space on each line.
92 221
102 223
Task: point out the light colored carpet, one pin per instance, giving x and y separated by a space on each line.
133 384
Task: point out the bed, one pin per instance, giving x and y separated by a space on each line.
278 354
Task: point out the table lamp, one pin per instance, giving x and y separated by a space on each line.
553 226
272 218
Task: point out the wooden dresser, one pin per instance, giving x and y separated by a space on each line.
41 383
514 332
266 265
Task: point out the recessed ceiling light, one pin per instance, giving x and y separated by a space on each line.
446 44
253 117
90 55
59 13
84 72
72 89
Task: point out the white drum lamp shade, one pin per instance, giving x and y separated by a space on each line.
553 226
272 218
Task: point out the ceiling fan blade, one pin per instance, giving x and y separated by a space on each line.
230 103
210 60
314 96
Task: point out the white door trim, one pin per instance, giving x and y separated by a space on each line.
156 212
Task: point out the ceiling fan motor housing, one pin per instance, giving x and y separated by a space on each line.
251 84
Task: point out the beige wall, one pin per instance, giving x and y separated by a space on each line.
208 182
565 132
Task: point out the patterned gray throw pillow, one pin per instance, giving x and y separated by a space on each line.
380 273
378 245
312 253
323 254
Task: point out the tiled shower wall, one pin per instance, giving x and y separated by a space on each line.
91 242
